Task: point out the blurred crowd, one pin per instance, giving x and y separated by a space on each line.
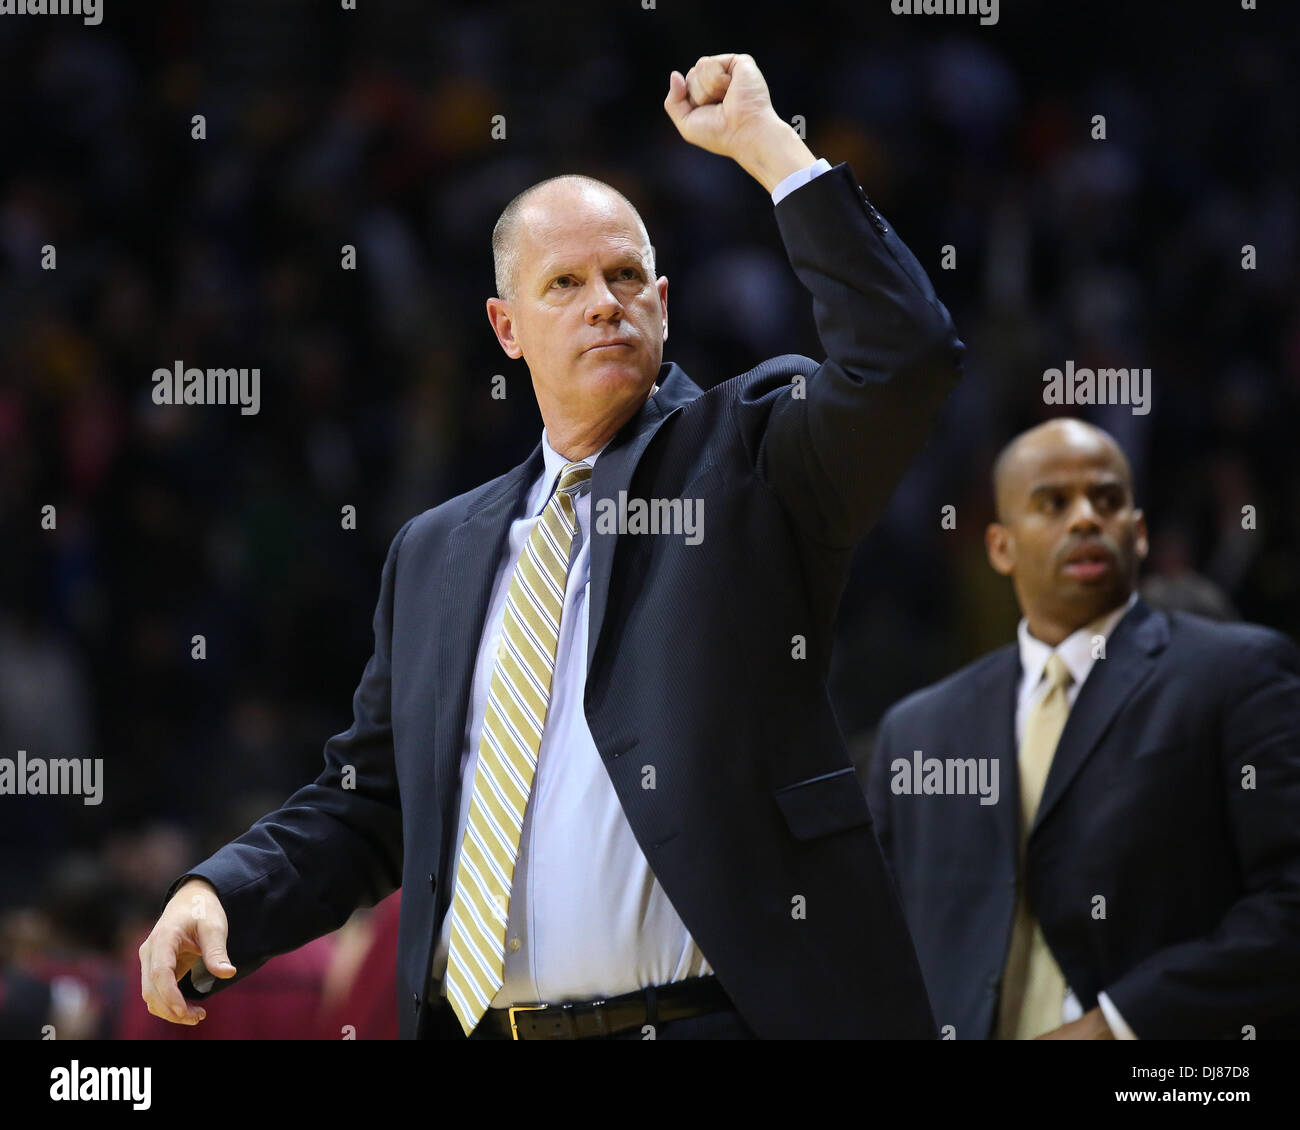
374 129
70 965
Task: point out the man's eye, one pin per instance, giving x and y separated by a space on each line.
562 278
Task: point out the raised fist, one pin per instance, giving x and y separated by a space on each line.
721 104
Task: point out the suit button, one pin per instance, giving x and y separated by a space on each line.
415 1001
433 881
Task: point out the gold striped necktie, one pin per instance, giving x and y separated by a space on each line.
1033 987
518 696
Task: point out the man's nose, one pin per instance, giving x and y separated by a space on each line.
1083 516
602 303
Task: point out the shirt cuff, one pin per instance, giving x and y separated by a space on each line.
1111 1013
799 179
1072 1010
200 978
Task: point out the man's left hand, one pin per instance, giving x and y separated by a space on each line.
1090 1026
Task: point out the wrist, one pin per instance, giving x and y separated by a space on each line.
772 152
193 884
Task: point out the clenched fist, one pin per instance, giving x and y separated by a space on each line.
721 104
718 101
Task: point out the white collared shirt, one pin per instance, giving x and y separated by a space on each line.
1077 652
587 918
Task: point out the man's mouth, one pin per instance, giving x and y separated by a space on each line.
605 347
1088 563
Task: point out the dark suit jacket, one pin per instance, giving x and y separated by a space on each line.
1144 805
757 828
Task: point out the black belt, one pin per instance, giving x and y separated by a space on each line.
580 1020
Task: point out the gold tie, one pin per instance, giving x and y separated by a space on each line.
518 696
1033 988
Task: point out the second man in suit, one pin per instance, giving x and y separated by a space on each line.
1093 830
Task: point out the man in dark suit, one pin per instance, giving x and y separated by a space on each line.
1128 862
695 857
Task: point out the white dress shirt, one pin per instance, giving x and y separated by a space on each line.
1076 651
587 917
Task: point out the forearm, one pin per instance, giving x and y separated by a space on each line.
299 872
772 152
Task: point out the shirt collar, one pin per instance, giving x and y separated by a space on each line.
554 464
1075 649
550 477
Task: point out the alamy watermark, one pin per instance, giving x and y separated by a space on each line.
987 10
58 776
676 517
1098 386
179 385
101 1084
90 11
952 776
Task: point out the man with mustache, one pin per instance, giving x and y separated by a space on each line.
1139 874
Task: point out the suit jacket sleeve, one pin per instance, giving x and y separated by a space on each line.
334 845
834 449
1243 971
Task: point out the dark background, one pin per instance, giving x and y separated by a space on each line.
373 128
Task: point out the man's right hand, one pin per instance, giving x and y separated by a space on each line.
192 927
722 104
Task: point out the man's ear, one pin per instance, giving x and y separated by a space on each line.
1140 543
662 286
503 325
1000 546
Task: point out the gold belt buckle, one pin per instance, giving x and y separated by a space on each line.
514 1024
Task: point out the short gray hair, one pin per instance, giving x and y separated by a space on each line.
505 235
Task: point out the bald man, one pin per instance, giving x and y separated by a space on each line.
1094 830
593 744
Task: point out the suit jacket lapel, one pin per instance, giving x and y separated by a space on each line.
1129 661
473 556
613 473
474 553
992 733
